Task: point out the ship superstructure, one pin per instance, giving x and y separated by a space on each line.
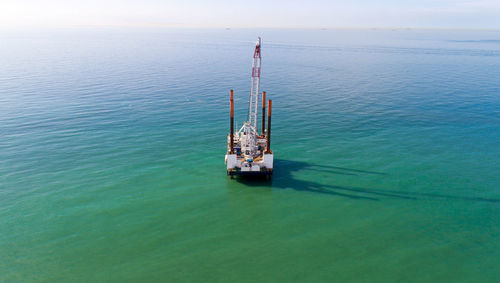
249 153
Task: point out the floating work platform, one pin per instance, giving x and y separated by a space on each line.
248 152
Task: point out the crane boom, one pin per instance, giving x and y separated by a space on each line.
254 94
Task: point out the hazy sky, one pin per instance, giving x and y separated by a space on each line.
254 13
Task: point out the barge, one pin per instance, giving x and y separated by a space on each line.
248 151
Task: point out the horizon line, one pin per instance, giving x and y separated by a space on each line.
174 26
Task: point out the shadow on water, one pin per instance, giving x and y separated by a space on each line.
283 179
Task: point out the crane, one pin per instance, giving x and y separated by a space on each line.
254 93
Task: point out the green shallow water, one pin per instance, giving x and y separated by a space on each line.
386 145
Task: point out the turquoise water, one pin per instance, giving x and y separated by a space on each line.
112 150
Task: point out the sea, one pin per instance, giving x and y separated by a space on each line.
386 146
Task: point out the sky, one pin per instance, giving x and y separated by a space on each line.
252 14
